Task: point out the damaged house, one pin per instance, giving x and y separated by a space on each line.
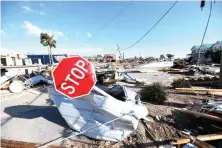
202 49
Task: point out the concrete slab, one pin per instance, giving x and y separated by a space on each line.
32 117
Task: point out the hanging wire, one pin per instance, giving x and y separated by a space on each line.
61 139
106 24
198 61
152 27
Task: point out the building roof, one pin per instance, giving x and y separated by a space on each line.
206 45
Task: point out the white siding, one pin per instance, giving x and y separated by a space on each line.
193 50
217 45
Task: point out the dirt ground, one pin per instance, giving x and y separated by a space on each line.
163 123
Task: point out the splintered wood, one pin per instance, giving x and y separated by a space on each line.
199 114
215 92
209 137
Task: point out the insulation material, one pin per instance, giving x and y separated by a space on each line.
95 109
7 76
36 79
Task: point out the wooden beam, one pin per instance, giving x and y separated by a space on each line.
199 114
216 92
209 137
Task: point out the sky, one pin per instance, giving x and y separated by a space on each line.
74 23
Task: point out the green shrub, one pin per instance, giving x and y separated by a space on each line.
181 83
154 93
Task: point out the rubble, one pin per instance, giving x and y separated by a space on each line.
5 85
124 77
97 109
16 86
6 77
17 83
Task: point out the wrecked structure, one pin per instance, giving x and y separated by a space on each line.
91 113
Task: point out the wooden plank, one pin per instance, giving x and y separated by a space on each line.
215 118
200 91
209 137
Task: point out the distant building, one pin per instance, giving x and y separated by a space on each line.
196 48
217 45
44 58
12 59
109 58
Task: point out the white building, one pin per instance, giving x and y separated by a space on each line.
217 45
12 59
196 48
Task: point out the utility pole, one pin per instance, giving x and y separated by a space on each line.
119 52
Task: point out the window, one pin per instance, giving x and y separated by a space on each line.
3 61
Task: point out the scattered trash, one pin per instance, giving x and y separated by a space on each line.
124 77
16 86
106 77
7 76
5 85
37 79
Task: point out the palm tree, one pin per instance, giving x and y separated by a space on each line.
162 57
170 56
47 40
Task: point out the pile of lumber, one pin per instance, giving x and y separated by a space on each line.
211 114
198 141
202 91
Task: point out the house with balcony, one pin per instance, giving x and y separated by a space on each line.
202 49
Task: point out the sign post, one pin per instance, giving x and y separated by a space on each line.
75 77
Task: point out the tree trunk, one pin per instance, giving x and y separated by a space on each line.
220 79
49 57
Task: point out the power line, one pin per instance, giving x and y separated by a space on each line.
152 27
117 14
198 61
62 138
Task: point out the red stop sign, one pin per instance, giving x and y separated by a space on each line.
74 77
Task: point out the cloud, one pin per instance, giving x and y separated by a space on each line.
41 4
34 30
31 29
66 38
89 35
27 9
3 32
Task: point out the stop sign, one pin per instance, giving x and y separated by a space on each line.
74 77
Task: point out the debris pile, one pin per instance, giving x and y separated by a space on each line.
204 80
17 83
206 119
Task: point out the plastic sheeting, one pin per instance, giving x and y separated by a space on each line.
36 79
96 109
7 76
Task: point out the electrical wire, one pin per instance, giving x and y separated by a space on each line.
117 14
151 27
198 61
61 139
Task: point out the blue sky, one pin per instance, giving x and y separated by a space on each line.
73 23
